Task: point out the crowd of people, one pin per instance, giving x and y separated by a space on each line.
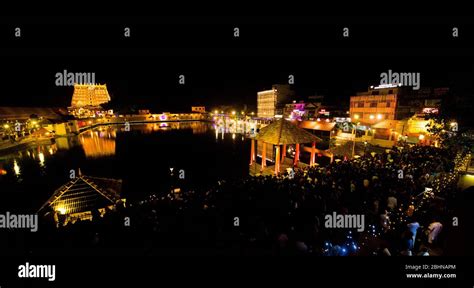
399 192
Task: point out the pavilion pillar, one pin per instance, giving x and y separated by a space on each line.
277 160
313 152
264 155
252 152
297 155
283 153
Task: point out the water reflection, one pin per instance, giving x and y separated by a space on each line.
239 126
196 127
99 143
13 163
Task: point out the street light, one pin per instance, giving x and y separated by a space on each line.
354 141
233 112
454 126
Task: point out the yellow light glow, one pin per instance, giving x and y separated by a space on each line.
453 123
222 112
371 117
216 112
34 122
379 116
252 113
90 122
16 168
41 158
233 112
6 126
61 210
421 137
356 116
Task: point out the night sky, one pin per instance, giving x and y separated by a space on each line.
222 70
153 81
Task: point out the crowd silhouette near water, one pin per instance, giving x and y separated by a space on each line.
405 194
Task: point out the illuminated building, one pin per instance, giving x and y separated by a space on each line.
271 102
374 106
198 109
294 111
86 100
89 95
392 102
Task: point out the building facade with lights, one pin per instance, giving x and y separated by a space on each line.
373 106
198 109
271 103
89 95
396 112
87 98
392 102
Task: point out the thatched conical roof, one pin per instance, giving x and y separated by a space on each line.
281 132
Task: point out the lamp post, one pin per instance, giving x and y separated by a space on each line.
354 140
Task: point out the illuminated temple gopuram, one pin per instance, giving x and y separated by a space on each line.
87 98
89 95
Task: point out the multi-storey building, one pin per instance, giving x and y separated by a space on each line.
271 103
391 102
89 95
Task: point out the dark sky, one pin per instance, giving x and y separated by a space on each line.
221 69
153 81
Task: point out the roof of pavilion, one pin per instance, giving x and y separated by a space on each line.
85 193
282 131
